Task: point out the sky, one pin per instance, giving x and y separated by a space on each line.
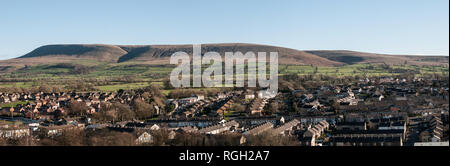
416 27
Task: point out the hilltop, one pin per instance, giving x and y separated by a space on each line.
160 54
353 57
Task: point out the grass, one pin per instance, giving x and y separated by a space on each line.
143 75
8 122
359 69
111 88
13 104
229 113
166 92
17 84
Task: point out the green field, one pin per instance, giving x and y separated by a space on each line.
111 77
361 69
13 104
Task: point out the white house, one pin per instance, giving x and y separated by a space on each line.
144 138
14 133
266 94
249 96
155 127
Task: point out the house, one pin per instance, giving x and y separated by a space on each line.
155 127
436 129
266 94
14 132
58 130
401 98
243 140
351 126
259 129
221 96
325 124
144 138
199 97
249 96
316 131
219 128
187 129
307 141
286 127
431 144
311 132
257 106
188 100
366 141
369 133
282 120
401 125
171 135
311 135
225 107
91 110
33 126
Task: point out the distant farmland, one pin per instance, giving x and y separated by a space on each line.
114 67
112 77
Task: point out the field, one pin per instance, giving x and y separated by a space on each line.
362 69
13 104
114 76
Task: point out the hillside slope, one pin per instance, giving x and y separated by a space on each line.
104 53
163 52
352 57
160 54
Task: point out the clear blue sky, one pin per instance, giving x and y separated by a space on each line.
381 26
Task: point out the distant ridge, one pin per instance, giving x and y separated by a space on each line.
160 54
108 53
353 57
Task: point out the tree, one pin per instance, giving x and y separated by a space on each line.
11 110
160 137
45 88
268 139
170 108
76 108
273 106
295 107
3 142
142 110
167 84
335 105
70 137
108 138
238 107
106 113
123 112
